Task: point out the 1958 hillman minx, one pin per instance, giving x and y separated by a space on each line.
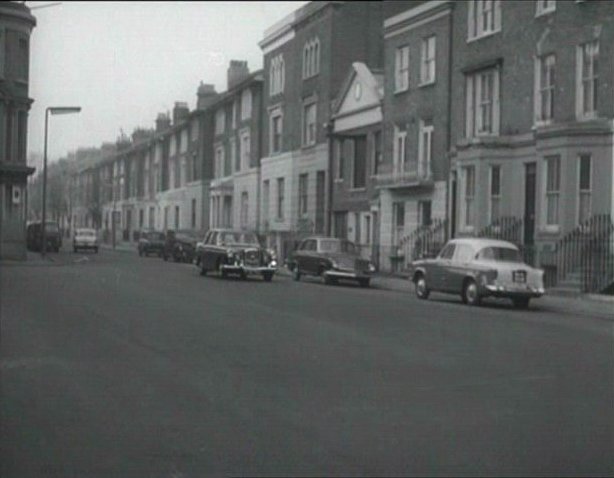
477 268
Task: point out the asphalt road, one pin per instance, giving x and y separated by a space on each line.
120 366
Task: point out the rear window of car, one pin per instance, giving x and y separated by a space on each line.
86 232
52 227
499 254
155 236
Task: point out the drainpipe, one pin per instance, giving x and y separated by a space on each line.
449 126
330 127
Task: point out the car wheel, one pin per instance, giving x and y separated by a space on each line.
267 276
422 290
296 273
203 271
521 302
328 280
243 275
471 295
364 282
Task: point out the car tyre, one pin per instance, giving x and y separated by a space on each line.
203 271
521 302
296 273
422 291
328 280
471 295
364 282
267 276
74 249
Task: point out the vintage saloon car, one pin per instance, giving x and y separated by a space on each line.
477 268
235 252
151 242
181 245
85 238
331 259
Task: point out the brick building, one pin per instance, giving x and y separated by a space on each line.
16 24
307 56
236 150
532 129
412 179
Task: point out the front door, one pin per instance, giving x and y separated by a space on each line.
529 208
341 225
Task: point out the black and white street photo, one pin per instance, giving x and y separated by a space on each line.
313 238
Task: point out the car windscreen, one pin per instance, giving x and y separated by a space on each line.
336 245
499 254
230 238
155 236
86 232
52 227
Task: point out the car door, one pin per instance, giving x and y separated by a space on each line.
459 267
208 256
437 269
297 255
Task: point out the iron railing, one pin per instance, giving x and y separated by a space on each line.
505 228
424 241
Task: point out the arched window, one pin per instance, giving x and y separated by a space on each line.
311 58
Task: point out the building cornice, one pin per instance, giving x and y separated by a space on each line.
416 16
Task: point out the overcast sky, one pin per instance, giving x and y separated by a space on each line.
124 62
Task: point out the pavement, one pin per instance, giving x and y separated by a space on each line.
120 365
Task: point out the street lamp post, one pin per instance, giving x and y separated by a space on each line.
54 110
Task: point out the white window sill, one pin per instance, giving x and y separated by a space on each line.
357 190
338 180
550 229
400 91
483 35
587 117
467 229
545 12
542 123
426 83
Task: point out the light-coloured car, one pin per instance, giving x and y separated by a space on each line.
85 238
476 268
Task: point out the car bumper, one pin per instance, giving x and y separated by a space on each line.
347 274
511 292
81 245
243 269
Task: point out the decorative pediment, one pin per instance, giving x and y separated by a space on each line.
361 90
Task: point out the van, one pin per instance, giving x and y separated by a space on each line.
34 236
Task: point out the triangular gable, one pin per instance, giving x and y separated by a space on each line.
360 91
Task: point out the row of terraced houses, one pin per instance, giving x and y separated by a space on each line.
394 124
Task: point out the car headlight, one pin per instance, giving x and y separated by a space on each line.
273 263
371 267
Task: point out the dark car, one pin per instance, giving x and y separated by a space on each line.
477 268
151 242
331 259
181 245
34 236
236 252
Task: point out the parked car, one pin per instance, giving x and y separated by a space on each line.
477 268
181 245
331 259
85 238
151 242
236 252
34 236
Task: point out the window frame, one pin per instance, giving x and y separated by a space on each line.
586 191
494 197
542 90
398 164
544 7
554 194
475 103
303 195
475 23
428 63
468 200
281 199
401 69
275 113
582 80
426 128
309 134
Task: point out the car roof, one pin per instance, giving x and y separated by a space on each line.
480 242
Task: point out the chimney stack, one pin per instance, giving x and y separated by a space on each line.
162 122
206 95
180 112
237 71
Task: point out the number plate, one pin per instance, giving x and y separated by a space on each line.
519 276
